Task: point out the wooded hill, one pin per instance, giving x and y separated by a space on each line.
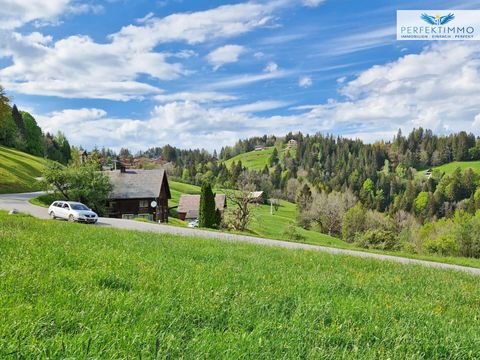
19 130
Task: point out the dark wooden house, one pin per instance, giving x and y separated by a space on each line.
139 193
189 206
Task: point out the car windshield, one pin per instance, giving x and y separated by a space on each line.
79 207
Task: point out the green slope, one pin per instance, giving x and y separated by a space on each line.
18 171
450 167
263 223
256 160
90 292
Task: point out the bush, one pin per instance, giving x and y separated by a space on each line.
354 223
445 245
378 239
292 234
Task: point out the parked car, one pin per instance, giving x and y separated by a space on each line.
193 224
72 211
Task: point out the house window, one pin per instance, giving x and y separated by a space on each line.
128 216
144 203
146 216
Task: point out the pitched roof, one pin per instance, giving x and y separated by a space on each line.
190 204
137 184
256 195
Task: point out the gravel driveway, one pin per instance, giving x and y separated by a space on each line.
20 202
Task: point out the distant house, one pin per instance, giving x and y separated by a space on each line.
139 193
428 173
256 197
259 148
189 206
292 143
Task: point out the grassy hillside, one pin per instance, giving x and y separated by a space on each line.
450 167
275 226
256 160
263 223
18 171
74 291
178 188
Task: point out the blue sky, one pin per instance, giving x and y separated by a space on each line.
143 73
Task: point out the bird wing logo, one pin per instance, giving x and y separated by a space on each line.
437 19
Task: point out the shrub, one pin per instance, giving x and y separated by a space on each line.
444 245
378 239
354 223
292 234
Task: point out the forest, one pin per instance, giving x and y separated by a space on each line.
19 130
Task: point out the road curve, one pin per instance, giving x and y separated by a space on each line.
21 203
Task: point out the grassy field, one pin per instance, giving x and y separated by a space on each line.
263 223
18 171
256 160
77 291
274 226
450 167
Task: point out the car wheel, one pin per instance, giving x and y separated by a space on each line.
52 215
71 218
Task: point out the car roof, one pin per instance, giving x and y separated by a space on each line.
74 203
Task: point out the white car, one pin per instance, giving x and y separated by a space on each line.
72 211
193 224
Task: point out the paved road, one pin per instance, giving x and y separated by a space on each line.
20 202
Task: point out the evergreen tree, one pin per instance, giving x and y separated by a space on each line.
273 160
17 118
207 216
7 125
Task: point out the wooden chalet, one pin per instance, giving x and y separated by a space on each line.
189 206
139 193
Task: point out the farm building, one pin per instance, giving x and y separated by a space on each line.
189 205
138 193
256 197
292 143
259 148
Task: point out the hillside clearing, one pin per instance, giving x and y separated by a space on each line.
256 160
119 294
451 167
18 171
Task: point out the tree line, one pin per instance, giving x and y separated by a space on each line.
19 130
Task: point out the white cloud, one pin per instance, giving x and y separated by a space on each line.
198 97
225 55
305 81
194 28
476 122
312 3
359 41
437 89
79 67
241 80
271 67
15 13
259 106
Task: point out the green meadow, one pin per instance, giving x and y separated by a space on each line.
256 160
451 167
78 291
18 171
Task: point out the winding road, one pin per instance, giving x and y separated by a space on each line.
21 203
